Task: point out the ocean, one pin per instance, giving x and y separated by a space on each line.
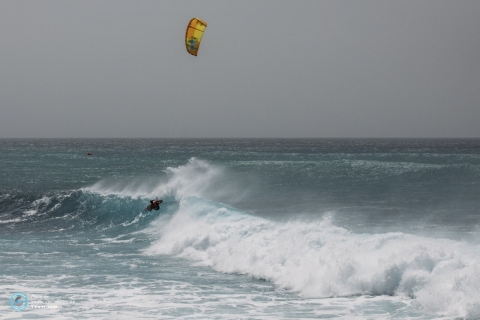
249 229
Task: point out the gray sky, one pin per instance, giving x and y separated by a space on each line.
265 69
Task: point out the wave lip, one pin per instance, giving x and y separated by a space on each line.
318 259
196 178
191 179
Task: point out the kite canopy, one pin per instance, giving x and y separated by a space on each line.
194 34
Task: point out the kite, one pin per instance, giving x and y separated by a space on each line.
194 34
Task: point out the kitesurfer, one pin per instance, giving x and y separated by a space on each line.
154 205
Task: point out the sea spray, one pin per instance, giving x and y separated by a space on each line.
195 178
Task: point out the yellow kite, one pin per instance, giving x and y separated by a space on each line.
194 34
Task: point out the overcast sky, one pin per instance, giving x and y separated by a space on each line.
270 68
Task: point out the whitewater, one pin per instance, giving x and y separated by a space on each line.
249 229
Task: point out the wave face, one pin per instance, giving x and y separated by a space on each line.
69 212
248 228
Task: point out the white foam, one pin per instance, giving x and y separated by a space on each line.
318 259
10 221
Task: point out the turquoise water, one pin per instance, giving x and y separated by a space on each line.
251 229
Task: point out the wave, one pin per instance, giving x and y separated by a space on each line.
319 259
108 204
314 258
